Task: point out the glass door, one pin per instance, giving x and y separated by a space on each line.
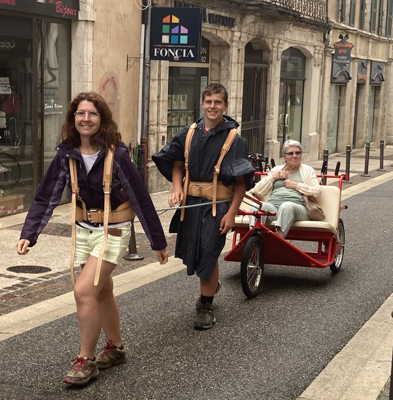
16 116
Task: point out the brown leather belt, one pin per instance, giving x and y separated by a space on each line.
205 189
123 213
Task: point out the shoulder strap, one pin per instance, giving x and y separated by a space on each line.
75 193
224 151
106 183
187 147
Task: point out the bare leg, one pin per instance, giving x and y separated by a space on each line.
208 288
110 313
88 304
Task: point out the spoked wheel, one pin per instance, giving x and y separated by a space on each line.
251 268
9 171
336 266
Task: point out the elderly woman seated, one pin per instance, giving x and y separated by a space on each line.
282 190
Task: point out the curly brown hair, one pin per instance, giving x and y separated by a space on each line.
108 131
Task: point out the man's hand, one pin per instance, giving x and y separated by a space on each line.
22 246
227 223
162 256
176 198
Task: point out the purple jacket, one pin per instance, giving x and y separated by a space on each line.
125 177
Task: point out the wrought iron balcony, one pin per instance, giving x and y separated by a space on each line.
309 9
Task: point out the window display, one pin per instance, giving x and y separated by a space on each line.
184 97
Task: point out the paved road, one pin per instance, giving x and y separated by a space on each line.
269 348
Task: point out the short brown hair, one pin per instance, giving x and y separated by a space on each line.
215 88
108 130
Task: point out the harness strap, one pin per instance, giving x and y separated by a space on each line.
224 151
106 183
75 193
189 137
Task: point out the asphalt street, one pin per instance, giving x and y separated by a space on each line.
271 347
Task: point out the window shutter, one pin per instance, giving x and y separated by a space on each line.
352 13
373 16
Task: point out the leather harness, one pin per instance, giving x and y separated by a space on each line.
212 190
123 213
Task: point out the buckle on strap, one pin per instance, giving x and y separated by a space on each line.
88 212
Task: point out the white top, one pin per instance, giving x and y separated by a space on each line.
89 161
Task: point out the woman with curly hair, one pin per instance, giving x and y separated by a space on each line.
88 134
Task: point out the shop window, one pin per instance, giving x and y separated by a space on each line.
185 88
33 102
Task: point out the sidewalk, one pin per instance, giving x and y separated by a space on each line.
48 296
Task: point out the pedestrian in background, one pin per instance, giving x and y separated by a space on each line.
88 133
201 235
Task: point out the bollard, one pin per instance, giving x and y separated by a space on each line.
347 164
324 169
366 160
381 147
132 254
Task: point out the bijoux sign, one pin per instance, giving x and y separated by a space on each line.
176 34
67 9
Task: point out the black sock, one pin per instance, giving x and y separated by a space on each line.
206 299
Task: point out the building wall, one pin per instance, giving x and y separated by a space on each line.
275 35
105 34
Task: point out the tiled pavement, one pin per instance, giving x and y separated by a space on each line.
23 291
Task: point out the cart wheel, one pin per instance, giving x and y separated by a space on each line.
251 267
336 266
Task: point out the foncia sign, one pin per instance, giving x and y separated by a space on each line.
176 34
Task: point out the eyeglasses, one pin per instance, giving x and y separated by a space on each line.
292 153
91 114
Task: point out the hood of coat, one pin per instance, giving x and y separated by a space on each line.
66 151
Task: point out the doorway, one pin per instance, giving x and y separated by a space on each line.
254 99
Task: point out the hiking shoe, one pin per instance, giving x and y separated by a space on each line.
83 370
110 356
205 317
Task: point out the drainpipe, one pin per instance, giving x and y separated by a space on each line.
146 20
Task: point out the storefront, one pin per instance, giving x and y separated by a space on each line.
35 85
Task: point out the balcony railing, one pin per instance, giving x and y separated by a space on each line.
310 9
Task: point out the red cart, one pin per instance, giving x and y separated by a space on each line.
261 245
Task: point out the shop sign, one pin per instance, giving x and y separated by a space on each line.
362 71
176 34
51 105
67 9
205 51
341 62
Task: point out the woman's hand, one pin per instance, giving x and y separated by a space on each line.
22 246
290 184
162 256
279 175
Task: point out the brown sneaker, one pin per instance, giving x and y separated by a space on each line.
111 355
83 371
